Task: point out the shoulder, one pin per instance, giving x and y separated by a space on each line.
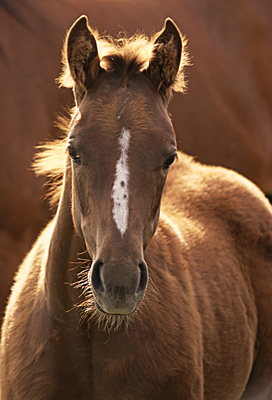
209 193
213 186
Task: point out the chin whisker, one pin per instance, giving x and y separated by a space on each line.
90 314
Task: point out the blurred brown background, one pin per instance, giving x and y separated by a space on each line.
225 118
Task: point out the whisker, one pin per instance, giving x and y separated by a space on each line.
104 322
83 252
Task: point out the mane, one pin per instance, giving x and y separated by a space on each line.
50 160
125 55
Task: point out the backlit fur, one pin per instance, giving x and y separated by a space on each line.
203 330
127 55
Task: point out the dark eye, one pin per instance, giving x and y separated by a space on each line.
169 161
73 154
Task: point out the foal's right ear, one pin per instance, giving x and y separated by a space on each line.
80 55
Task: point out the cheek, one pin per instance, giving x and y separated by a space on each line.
84 227
76 213
154 210
151 226
89 236
157 185
80 204
80 194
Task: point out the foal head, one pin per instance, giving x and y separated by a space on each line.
121 144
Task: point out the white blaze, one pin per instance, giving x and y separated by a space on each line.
120 194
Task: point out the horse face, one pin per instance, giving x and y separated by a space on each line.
121 144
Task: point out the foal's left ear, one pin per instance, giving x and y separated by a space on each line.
80 58
166 56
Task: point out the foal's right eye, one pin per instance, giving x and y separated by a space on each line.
169 161
73 154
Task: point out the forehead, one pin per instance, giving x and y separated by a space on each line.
110 106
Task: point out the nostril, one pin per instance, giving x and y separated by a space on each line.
96 280
143 278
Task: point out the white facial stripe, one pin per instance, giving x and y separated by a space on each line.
124 105
120 193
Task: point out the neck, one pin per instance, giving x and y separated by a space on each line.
63 250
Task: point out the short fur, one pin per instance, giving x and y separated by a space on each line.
203 329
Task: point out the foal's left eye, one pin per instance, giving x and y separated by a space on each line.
169 161
73 154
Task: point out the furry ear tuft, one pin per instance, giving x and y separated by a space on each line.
162 58
165 65
80 58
